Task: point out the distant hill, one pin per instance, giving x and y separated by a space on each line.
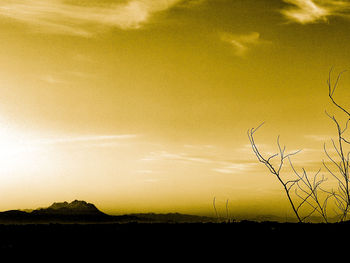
74 212
74 208
172 218
83 212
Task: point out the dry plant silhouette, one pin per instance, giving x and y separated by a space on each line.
306 193
228 219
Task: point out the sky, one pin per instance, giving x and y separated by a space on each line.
144 106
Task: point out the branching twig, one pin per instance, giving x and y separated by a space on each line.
308 189
275 171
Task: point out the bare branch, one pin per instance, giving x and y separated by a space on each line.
271 167
331 90
309 190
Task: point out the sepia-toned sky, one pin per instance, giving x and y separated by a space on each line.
144 105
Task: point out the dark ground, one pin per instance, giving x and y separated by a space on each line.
156 241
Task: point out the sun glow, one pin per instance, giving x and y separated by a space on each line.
16 151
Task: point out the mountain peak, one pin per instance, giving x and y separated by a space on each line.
58 205
75 207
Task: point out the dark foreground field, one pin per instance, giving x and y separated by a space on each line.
78 229
150 240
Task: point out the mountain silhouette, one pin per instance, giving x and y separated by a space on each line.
83 212
61 212
74 208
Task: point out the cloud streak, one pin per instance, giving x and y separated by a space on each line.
82 139
234 168
243 43
217 165
315 11
67 17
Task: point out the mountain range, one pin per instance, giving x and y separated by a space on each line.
83 212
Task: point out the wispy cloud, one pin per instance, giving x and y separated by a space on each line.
51 79
79 139
234 168
64 77
318 137
314 11
80 18
215 164
183 157
243 43
145 172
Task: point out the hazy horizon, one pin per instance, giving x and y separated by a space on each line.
143 106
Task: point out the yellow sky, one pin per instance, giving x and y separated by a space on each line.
140 105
